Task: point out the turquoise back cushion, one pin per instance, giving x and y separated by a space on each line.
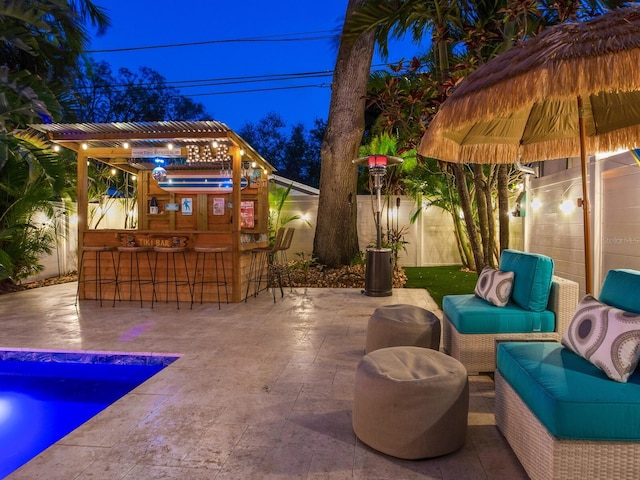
621 289
532 279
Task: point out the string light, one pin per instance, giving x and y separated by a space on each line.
567 206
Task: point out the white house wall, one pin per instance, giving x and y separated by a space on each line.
614 190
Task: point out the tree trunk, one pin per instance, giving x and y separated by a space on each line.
465 202
503 205
482 206
336 238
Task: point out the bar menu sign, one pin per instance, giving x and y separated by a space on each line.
247 214
155 152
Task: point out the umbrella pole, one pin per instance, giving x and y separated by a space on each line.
586 210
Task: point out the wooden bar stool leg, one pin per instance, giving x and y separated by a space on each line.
218 258
99 279
224 277
186 282
80 276
251 277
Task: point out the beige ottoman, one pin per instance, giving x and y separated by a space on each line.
402 325
411 402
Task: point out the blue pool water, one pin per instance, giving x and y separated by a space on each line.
42 401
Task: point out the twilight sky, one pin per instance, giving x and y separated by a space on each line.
283 62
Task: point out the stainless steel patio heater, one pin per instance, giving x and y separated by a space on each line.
378 279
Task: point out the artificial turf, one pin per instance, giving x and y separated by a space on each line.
441 281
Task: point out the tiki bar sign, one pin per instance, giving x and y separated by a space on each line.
210 153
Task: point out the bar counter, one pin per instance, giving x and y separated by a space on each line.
236 263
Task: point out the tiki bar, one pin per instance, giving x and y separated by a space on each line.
202 208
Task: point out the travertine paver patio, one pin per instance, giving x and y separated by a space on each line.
262 391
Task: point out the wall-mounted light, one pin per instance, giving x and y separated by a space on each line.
567 206
536 204
519 209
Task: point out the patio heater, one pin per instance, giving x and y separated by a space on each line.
378 279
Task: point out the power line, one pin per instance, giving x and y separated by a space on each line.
321 85
209 82
229 80
268 38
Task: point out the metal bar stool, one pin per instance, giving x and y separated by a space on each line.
262 258
99 279
134 254
283 263
218 258
170 257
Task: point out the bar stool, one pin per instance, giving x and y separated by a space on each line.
170 257
284 262
218 257
262 257
134 252
99 279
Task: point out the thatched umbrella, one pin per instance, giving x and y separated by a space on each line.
572 89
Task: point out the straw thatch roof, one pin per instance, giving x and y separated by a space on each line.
540 80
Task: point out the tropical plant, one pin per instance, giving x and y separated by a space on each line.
278 218
30 177
464 35
40 44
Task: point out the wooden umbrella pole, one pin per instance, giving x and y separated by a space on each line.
586 210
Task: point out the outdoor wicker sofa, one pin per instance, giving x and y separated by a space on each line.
547 303
562 412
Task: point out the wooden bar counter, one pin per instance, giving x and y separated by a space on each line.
236 263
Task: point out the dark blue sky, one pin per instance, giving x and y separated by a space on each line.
304 30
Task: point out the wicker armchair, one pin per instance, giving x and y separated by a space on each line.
477 352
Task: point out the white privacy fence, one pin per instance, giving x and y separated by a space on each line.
615 197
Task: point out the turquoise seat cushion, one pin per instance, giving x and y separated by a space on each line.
532 278
571 397
621 289
471 314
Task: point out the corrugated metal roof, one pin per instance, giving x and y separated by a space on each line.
143 134
71 131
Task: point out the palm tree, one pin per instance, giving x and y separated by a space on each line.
40 44
472 31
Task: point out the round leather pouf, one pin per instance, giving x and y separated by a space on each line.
402 325
411 402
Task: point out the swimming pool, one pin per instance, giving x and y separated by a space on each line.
46 395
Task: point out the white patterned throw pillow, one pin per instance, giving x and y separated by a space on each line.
494 286
606 336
